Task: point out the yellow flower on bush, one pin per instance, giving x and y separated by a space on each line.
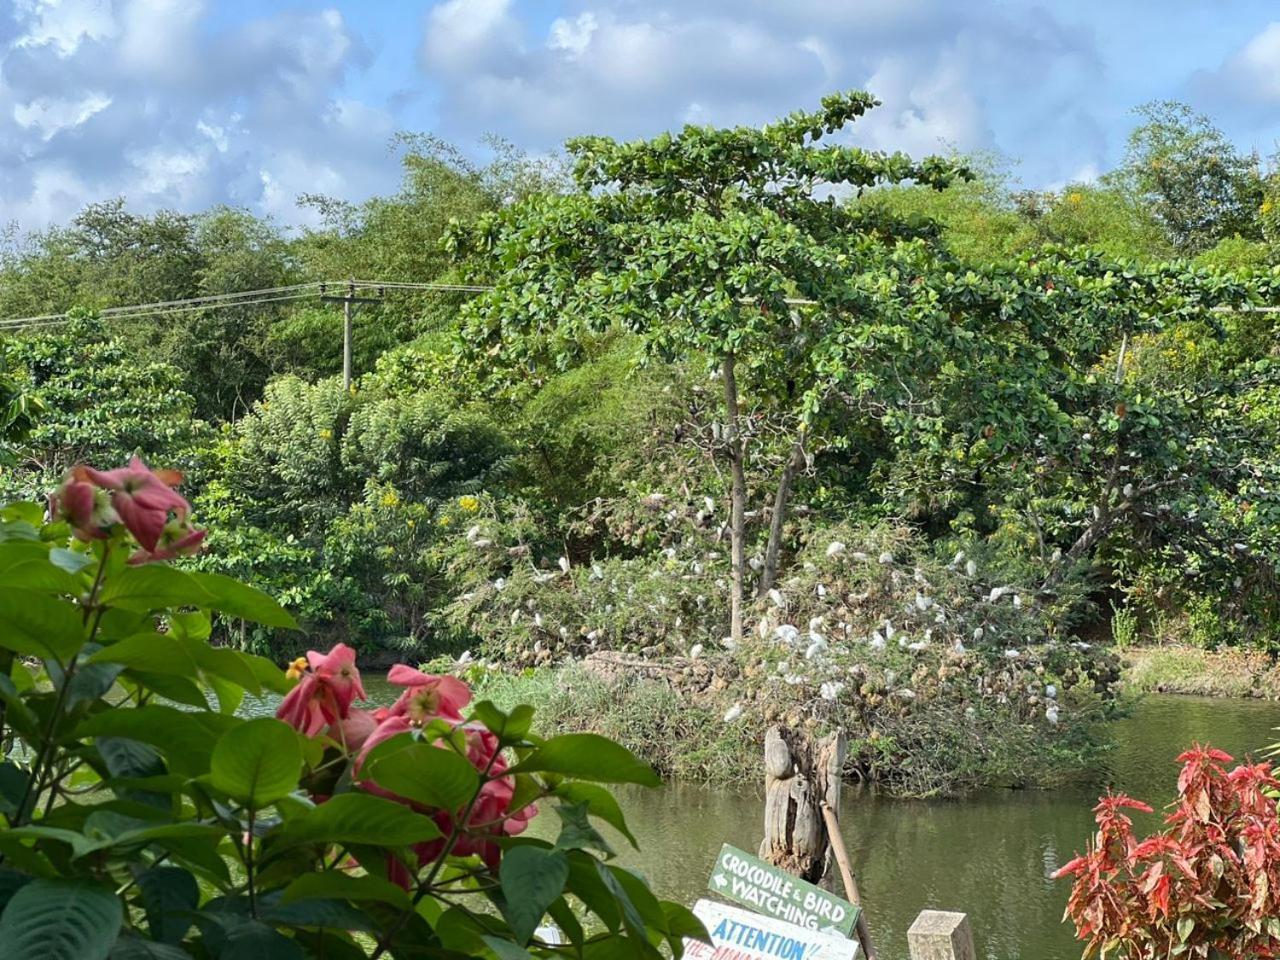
1267 207
1074 197
326 434
391 499
468 503
296 668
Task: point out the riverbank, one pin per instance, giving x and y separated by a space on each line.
1193 671
919 723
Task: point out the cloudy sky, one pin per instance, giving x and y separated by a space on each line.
182 103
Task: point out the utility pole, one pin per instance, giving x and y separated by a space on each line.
347 301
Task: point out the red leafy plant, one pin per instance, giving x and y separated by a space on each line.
1206 886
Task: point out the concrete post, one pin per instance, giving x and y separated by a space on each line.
939 935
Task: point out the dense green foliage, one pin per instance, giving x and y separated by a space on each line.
143 815
1072 388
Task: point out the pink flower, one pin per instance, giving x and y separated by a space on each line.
337 669
355 730
143 498
301 708
323 696
428 696
177 539
84 506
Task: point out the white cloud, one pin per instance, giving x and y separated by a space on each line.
942 69
1251 75
51 115
64 24
149 99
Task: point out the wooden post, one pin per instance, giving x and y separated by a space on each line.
939 935
346 343
846 875
799 778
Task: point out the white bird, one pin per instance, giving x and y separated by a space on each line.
482 542
727 643
1017 601
923 603
1051 692
787 633
877 642
473 532
955 561
1012 654
1128 490
889 631
996 593
464 658
709 504
977 634
695 651
597 572
821 590
958 647
778 599
564 564
886 557
830 690
755 563
971 568
918 646
499 584
733 713
835 548
1051 713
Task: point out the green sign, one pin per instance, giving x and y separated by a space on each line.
765 889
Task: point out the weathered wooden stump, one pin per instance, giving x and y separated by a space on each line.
939 935
800 776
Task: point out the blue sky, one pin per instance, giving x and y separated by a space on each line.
182 103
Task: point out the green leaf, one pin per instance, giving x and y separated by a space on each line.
37 626
257 762
319 912
588 756
508 727
432 776
60 920
185 737
345 886
532 878
256 941
600 803
130 947
238 599
505 949
576 831
13 784
169 894
153 586
358 818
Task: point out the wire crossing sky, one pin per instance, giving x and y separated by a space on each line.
184 104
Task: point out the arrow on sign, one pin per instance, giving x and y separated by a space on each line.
720 880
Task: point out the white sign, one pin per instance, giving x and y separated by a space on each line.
738 934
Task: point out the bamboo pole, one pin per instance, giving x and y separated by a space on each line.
846 874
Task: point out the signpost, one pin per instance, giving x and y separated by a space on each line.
737 934
764 888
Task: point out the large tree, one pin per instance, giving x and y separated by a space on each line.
726 246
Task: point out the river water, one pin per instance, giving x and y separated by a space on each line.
989 855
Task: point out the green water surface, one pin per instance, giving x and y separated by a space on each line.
989 855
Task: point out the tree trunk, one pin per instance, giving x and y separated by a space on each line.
781 501
738 507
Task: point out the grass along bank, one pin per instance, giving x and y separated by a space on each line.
1198 672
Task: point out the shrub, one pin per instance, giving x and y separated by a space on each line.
134 828
1208 885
